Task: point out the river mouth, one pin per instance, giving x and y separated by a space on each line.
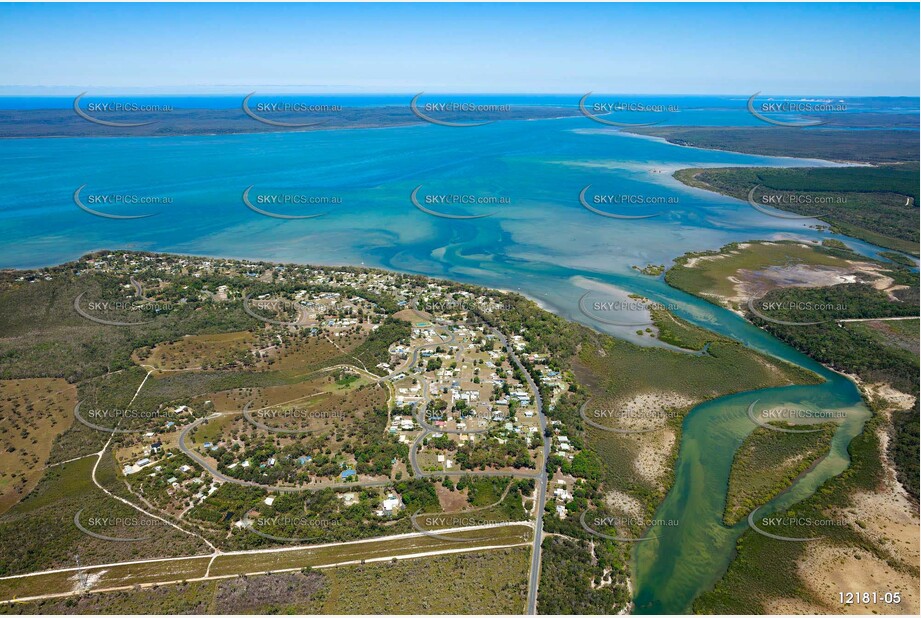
542 244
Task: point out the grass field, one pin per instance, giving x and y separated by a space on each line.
39 533
269 560
708 274
33 412
202 351
493 582
486 582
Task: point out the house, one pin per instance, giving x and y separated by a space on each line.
268 501
390 504
347 474
349 499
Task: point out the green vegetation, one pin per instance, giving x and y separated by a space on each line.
492 582
681 333
765 569
569 583
849 347
834 144
707 273
767 463
653 270
863 350
33 412
876 204
488 452
44 336
610 369
39 532
876 351
374 349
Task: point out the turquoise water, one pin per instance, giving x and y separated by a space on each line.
542 242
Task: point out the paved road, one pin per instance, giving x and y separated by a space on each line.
541 476
541 489
406 553
908 317
204 463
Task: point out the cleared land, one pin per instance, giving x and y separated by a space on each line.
33 412
257 562
489 582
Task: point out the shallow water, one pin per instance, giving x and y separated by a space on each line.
542 243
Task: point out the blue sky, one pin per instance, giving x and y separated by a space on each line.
835 49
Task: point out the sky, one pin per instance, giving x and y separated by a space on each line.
851 49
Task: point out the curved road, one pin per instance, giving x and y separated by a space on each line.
540 476
204 463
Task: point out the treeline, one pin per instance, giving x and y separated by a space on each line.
852 349
865 202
